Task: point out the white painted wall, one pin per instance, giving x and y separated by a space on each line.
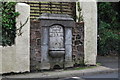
89 11
16 58
0 59
23 41
8 59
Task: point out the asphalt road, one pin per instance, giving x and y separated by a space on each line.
107 63
109 75
106 76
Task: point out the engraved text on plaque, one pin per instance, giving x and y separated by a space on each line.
56 36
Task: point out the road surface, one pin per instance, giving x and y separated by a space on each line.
106 76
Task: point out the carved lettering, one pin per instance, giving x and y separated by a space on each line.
56 36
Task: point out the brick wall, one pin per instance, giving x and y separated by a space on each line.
35 39
78 43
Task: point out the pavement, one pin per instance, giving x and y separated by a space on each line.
108 65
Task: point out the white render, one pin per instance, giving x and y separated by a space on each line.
89 11
16 58
23 41
0 59
8 59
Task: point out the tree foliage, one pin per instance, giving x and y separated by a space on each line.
108 28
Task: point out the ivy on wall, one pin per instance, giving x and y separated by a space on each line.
0 23
80 16
8 23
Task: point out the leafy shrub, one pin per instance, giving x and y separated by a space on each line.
108 28
8 23
0 24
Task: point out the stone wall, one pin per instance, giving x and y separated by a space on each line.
78 43
35 39
35 44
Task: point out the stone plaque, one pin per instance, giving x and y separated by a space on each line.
56 37
56 41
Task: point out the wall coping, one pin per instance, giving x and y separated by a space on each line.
48 16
